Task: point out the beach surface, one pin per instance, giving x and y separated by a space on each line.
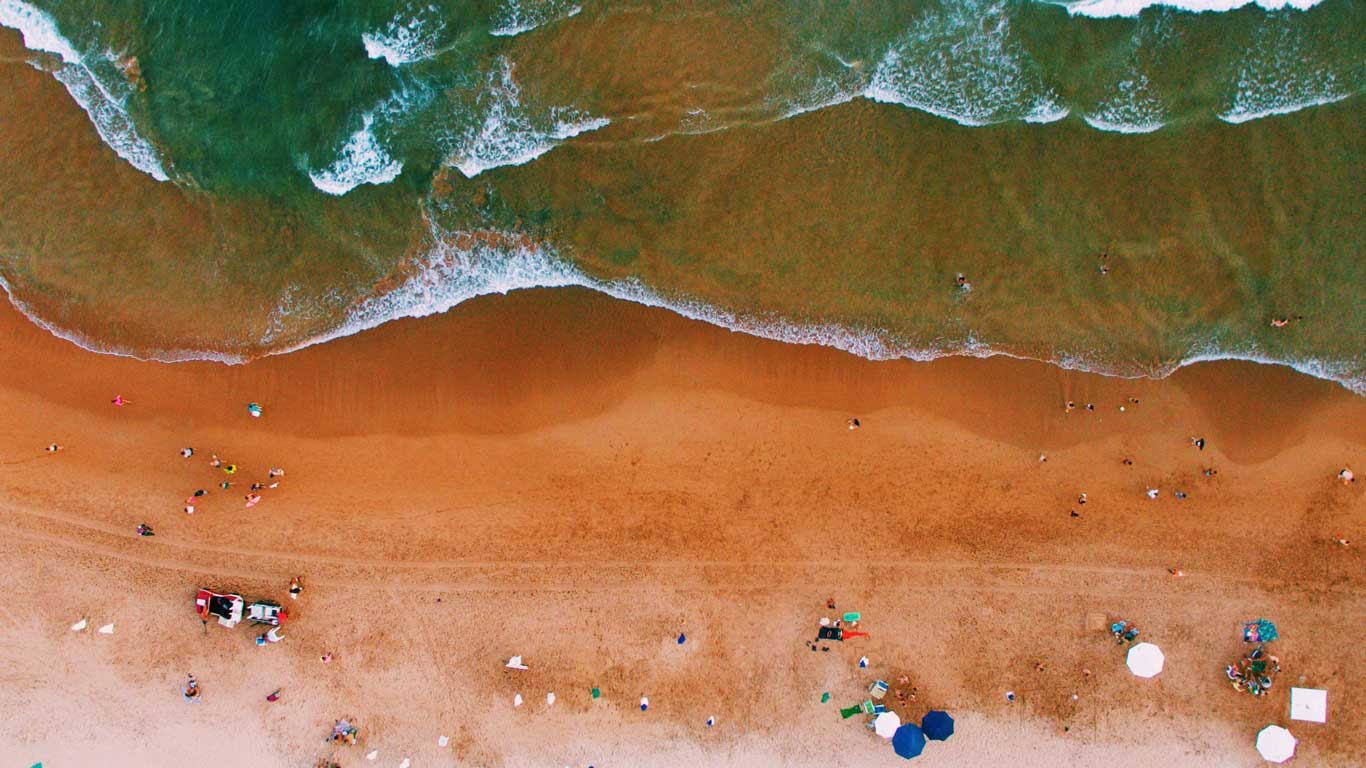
576 480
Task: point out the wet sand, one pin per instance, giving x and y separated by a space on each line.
576 480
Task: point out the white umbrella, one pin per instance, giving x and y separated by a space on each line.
1145 660
1276 744
886 724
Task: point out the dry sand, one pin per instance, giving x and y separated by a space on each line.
561 476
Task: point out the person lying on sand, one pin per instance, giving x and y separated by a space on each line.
53 448
1346 476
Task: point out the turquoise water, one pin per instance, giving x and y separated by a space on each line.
1124 190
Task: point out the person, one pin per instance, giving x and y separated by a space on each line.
1280 322
253 499
200 492
1198 442
326 658
191 691
120 401
256 486
225 485
189 506
854 423
54 448
1071 404
295 587
254 409
186 452
215 462
274 695
1153 492
1346 476
276 472
1082 498
145 530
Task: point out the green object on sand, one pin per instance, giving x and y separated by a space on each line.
849 712
825 697
596 693
853 616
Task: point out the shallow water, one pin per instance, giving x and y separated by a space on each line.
800 170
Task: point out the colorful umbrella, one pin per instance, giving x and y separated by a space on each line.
908 741
1276 744
937 725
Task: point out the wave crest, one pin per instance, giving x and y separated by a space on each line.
961 64
104 100
361 161
517 16
1109 8
509 133
404 41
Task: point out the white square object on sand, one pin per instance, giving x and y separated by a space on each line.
1309 704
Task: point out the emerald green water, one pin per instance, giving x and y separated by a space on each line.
808 171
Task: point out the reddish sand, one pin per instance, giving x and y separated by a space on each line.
561 476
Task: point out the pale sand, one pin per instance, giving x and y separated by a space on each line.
578 480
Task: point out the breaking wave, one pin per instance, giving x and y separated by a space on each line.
517 16
1108 8
510 133
104 99
405 41
962 65
361 161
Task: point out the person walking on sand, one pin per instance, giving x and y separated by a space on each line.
145 530
295 587
1198 442
119 401
274 695
191 692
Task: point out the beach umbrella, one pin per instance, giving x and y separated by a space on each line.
908 741
1145 660
886 724
1276 744
937 725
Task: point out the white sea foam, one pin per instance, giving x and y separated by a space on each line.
962 64
1279 75
462 266
361 161
92 345
452 273
104 101
510 133
407 39
514 17
1132 109
1108 8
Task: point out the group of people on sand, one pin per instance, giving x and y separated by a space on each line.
230 469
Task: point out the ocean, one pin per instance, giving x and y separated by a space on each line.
1121 186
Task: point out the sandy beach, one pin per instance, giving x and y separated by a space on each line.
571 479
